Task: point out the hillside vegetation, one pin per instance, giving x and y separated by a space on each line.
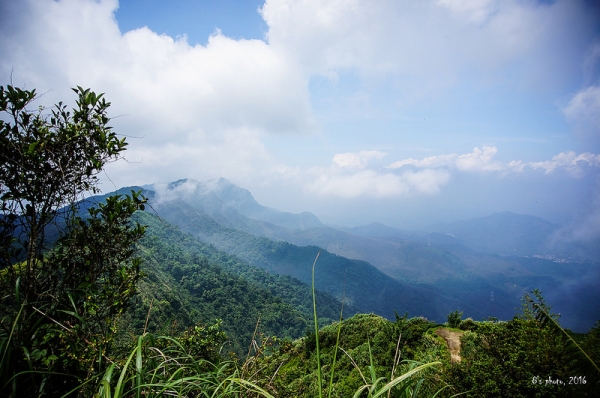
103 297
517 358
190 282
427 273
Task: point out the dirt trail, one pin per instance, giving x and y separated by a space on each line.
453 342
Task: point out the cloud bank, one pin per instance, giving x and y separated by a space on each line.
350 175
325 104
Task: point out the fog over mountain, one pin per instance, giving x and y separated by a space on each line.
491 261
398 112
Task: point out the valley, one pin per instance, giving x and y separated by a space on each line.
481 267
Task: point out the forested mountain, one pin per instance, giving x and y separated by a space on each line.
229 204
110 298
358 282
189 282
432 272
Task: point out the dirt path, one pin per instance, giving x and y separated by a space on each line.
453 342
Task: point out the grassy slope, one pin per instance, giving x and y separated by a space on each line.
498 359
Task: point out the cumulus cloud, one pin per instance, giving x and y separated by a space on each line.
164 83
479 160
182 106
569 161
476 161
482 160
350 177
429 45
431 161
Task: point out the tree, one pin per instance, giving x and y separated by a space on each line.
64 276
454 318
528 356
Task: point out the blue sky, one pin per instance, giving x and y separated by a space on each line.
402 112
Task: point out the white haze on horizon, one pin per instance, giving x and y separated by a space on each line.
406 113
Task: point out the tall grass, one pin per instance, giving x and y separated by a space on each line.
405 385
160 366
316 323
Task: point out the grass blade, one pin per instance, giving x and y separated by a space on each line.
314 297
405 376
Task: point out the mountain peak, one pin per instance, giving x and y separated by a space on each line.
221 196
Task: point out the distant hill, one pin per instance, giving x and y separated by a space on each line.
424 282
377 230
358 282
483 273
505 233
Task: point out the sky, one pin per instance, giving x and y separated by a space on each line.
401 112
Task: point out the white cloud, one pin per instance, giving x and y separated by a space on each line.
227 84
358 160
197 110
477 161
427 181
431 45
349 177
569 161
482 160
166 84
236 154
431 161
373 184
583 111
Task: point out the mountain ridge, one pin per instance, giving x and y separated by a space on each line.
438 271
223 194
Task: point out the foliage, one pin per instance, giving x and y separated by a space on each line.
160 366
200 283
454 318
591 343
403 385
365 288
59 304
204 341
520 357
47 163
370 358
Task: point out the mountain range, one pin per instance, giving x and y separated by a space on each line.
480 266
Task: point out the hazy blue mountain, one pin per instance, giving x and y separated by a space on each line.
503 233
483 273
378 230
357 282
